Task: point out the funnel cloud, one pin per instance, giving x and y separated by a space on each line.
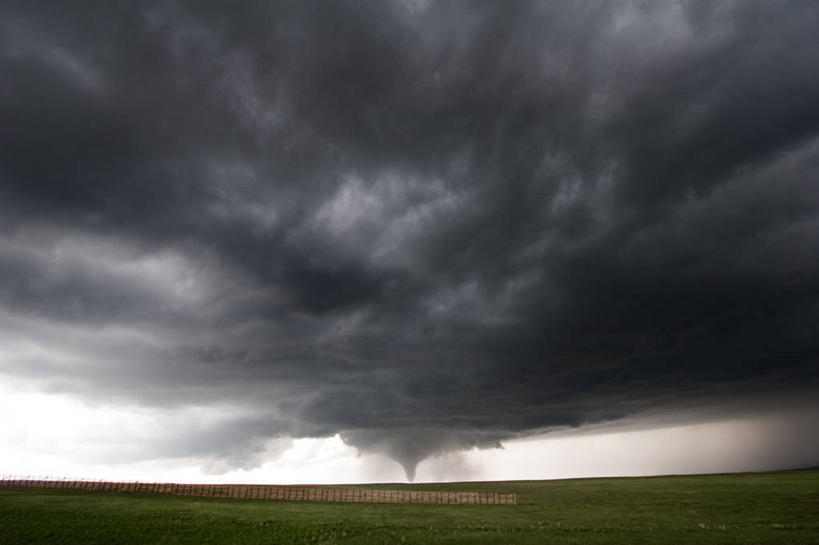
424 226
411 446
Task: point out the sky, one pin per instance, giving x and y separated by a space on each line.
285 241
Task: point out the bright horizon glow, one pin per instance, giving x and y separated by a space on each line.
56 436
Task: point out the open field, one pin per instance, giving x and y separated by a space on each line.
746 508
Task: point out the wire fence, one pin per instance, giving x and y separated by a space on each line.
269 493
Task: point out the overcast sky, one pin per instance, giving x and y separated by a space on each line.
407 230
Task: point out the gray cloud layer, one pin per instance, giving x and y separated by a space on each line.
425 225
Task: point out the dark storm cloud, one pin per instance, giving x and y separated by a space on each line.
423 225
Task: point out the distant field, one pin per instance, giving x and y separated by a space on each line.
747 508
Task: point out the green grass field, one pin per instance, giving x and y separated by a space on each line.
746 508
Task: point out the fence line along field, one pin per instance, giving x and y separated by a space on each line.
755 508
275 493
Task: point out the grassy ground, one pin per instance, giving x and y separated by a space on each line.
748 508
